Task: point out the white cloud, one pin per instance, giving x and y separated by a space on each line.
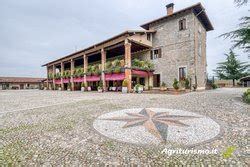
35 32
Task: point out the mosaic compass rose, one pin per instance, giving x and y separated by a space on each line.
155 123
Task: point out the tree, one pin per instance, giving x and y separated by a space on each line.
241 36
232 69
240 2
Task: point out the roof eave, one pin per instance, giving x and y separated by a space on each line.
129 32
209 28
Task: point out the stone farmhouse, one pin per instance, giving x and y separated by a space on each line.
173 46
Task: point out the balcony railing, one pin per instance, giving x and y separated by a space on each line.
116 66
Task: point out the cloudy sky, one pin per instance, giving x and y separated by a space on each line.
34 32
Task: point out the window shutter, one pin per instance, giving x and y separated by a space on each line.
180 25
184 24
159 52
151 55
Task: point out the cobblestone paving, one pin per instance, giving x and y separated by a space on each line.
55 128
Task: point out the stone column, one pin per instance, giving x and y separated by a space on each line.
62 70
47 83
54 72
103 53
85 67
128 71
72 68
151 81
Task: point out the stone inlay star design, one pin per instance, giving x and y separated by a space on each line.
155 122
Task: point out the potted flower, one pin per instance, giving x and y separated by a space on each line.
163 86
182 84
69 87
100 87
89 70
108 67
187 84
89 88
109 70
194 87
117 70
138 88
82 86
97 72
125 86
176 85
122 63
114 87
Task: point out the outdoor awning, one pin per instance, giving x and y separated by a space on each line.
58 81
93 78
66 80
141 73
80 79
115 77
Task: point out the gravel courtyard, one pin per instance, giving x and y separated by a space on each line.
56 128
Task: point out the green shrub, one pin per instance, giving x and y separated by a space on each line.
176 84
116 63
182 83
79 72
58 75
214 86
109 70
97 71
100 86
246 96
108 64
69 85
117 70
83 85
124 83
66 74
50 76
141 64
137 86
187 83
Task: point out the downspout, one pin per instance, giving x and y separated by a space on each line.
195 48
196 45
195 71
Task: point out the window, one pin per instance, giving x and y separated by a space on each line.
155 54
199 49
182 24
149 37
182 73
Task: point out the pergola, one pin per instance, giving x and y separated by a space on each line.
124 44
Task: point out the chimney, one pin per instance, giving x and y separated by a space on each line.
170 9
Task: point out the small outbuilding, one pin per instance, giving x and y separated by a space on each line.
20 83
245 81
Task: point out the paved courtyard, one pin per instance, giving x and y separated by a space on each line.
76 128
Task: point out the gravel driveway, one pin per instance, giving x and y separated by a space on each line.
56 128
